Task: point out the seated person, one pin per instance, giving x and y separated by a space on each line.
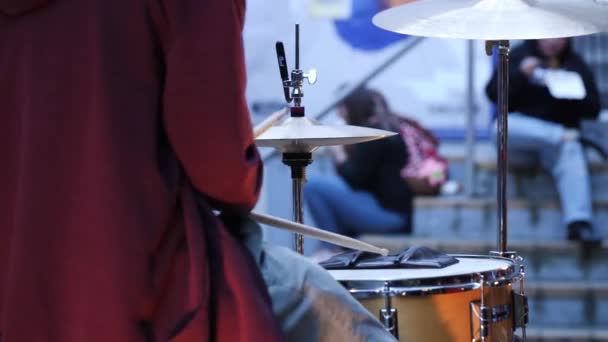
368 193
544 129
426 171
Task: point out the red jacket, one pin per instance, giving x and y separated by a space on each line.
103 103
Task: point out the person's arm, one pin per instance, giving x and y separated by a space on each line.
519 81
590 106
204 107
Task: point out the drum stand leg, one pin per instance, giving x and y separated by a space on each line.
298 163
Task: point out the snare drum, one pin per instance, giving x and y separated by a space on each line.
441 305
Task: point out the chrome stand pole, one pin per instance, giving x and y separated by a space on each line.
503 107
298 213
298 161
502 125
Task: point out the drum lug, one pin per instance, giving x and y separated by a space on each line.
388 315
520 310
520 302
388 318
481 313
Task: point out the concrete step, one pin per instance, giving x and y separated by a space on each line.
398 242
464 218
566 286
536 184
485 202
573 304
533 183
490 165
545 260
565 334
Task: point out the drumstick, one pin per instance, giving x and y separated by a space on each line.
320 234
273 118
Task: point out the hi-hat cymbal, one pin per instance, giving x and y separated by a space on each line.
496 19
301 134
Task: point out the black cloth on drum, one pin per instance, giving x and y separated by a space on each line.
413 257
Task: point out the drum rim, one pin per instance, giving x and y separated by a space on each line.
499 277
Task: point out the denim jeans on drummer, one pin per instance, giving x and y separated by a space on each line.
336 207
532 141
308 302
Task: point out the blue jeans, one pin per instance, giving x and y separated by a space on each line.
336 207
308 302
532 141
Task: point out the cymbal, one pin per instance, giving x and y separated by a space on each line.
301 134
496 19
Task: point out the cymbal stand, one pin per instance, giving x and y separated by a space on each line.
520 299
298 157
502 125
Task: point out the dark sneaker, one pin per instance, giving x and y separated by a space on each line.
583 231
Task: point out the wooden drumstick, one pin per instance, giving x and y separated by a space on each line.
273 118
320 234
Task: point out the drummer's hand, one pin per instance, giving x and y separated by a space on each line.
338 153
528 65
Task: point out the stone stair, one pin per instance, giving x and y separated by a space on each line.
477 217
566 284
567 334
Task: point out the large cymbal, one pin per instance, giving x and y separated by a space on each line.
496 19
300 134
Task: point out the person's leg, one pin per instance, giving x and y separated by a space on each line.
568 165
308 302
566 162
528 132
336 207
311 305
319 194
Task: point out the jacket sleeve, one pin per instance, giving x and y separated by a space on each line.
362 161
518 81
590 106
204 110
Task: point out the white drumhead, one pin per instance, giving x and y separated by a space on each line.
466 265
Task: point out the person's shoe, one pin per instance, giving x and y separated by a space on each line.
583 231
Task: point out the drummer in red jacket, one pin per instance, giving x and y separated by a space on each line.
114 115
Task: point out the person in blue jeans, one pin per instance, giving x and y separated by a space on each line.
367 194
544 128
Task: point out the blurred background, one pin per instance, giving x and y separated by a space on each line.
441 84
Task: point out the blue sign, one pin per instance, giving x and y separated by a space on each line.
359 31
